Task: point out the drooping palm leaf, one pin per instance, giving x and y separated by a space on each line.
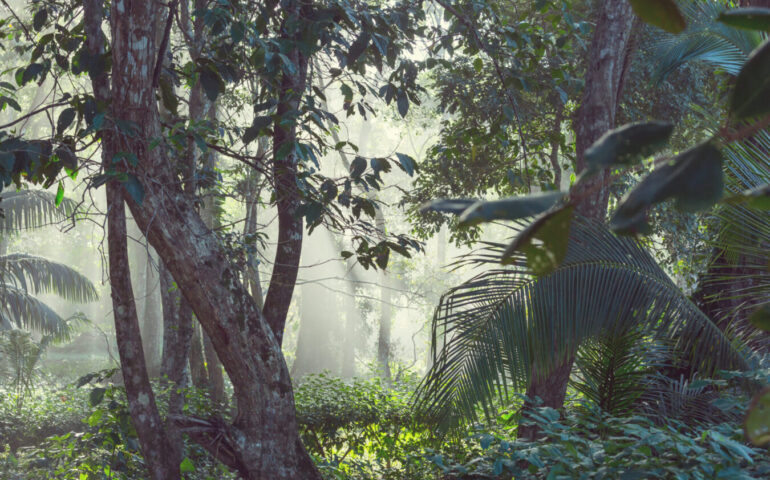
495 326
22 310
39 275
26 209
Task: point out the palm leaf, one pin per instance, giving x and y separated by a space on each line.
27 209
705 40
613 371
21 310
495 326
39 275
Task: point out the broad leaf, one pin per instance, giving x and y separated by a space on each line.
752 18
407 163
751 94
66 117
627 144
544 242
509 208
211 82
454 206
661 13
694 179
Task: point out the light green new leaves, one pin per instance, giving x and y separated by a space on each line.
694 179
627 144
661 13
751 95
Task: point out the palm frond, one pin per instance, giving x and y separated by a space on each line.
705 40
27 209
495 326
39 275
21 310
613 371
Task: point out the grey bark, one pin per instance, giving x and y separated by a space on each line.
608 60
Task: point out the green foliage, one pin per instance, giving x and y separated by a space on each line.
490 331
597 446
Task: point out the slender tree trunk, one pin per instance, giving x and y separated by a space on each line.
198 373
262 441
608 61
151 319
145 417
210 216
175 370
285 161
384 334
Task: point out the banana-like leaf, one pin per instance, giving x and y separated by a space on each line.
35 274
27 209
499 324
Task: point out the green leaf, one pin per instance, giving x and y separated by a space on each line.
357 47
453 206
187 466
694 179
756 426
66 117
509 208
407 163
28 73
758 198
760 318
59 194
10 102
134 188
38 21
403 103
167 95
211 82
752 18
357 167
544 242
478 64
627 144
751 94
258 125
661 13
96 396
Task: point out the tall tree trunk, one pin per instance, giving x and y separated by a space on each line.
285 161
198 373
262 441
210 217
145 417
152 323
608 61
175 370
384 334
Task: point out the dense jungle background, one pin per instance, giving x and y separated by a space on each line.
379 239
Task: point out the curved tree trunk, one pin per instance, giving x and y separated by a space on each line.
262 441
608 61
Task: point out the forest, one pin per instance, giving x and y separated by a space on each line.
384 239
